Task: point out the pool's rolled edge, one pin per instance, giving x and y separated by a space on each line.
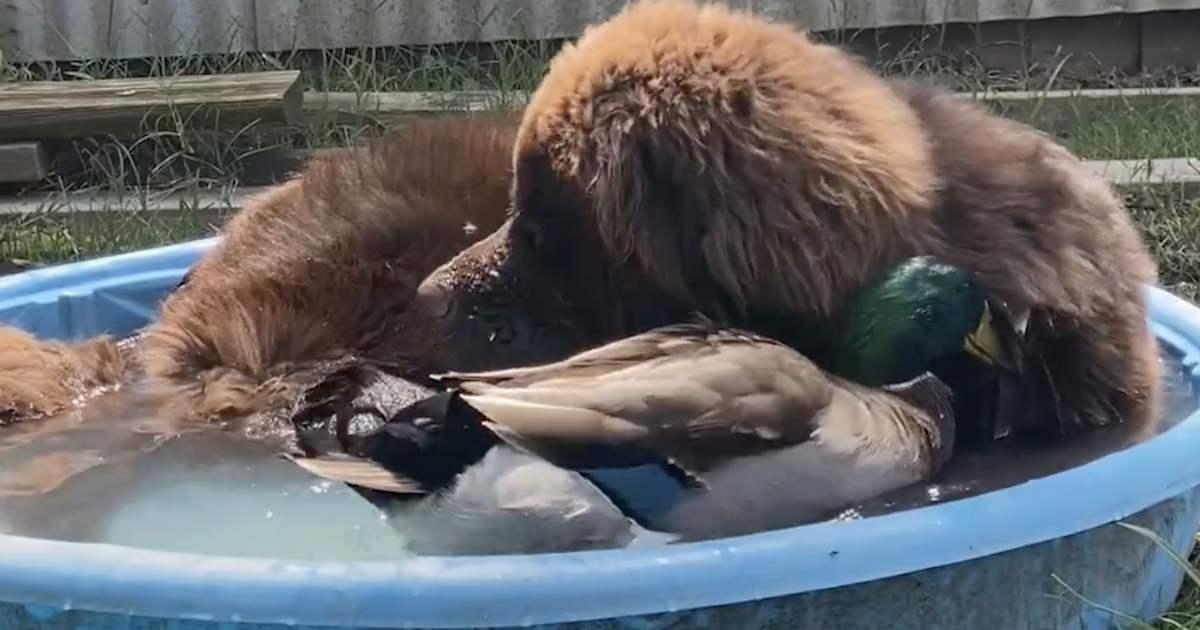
512 591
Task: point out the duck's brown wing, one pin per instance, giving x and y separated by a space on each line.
693 410
690 339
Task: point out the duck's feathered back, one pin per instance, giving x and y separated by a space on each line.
691 394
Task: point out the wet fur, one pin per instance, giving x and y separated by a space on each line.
40 378
325 265
688 157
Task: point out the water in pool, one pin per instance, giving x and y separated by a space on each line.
110 474
143 485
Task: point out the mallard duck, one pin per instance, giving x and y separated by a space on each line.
756 435
927 315
921 310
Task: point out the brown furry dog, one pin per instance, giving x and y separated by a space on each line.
326 265
687 157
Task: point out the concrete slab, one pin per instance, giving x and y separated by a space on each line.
1167 174
1164 174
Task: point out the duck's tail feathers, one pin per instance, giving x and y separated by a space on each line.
358 472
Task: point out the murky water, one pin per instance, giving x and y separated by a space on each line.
94 477
111 474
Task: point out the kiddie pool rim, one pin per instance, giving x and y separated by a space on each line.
523 590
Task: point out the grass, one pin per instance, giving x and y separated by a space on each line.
1170 225
193 162
1185 616
1166 130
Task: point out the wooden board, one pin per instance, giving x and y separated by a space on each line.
34 110
23 162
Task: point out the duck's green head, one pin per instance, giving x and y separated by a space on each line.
920 311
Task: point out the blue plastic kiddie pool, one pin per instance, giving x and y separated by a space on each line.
1001 560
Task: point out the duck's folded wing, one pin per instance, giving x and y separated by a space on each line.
927 402
668 341
572 437
693 414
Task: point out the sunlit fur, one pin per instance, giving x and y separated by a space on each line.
686 156
326 264
39 378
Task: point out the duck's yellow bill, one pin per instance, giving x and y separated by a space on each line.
984 344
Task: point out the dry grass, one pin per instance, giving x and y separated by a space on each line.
1171 226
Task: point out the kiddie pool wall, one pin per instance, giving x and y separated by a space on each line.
992 561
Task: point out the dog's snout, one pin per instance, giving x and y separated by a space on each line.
435 299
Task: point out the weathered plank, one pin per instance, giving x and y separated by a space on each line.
23 162
417 102
1132 97
34 110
